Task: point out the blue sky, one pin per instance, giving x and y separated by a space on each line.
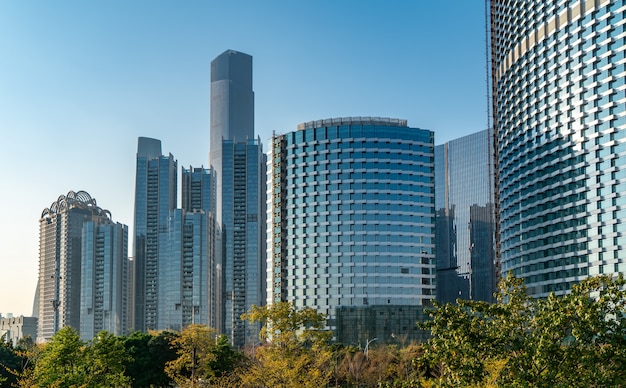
81 80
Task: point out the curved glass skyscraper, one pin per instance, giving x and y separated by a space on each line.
559 98
351 213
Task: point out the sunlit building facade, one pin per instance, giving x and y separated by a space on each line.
243 237
350 223
104 295
559 99
465 221
64 243
155 197
186 269
237 157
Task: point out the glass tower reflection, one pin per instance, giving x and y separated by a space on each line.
465 223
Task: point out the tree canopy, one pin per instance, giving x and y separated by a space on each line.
296 352
574 340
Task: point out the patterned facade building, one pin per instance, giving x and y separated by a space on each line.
559 102
350 230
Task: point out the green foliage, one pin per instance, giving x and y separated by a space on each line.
105 358
148 354
10 362
575 340
66 361
226 358
61 363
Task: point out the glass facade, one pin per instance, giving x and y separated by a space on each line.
351 210
104 279
63 246
184 271
559 99
239 163
243 220
155 196
465 222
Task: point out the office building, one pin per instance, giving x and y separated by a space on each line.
351 224
155 197
465 222
61 234
104 279
239 163
559 108
232 108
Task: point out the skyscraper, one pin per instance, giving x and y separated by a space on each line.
155 197
243 236
232 108
66 252
559 98
239 163
104 279
465 223
186 269
350 231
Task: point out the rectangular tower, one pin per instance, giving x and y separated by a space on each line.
465 227
186 270
62 249
232 107
155 196
243 227
104 279
239 163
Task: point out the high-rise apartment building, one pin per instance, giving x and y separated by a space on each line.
559 98
239 163
465 221
350 224
104 295
67 250
186 270
243 236
155 197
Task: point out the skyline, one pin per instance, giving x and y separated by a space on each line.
82 81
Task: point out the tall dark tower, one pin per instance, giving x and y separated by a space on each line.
232 108
239 163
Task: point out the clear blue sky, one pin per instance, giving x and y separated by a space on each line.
81 80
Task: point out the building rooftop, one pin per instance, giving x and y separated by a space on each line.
357 120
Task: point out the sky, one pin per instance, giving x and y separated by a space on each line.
80 81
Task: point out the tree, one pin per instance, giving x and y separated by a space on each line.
575 340
106 358
61 363
148 353
225 359
296 352
200 356
10 362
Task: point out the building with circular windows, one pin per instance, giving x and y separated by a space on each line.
559 98
351 224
